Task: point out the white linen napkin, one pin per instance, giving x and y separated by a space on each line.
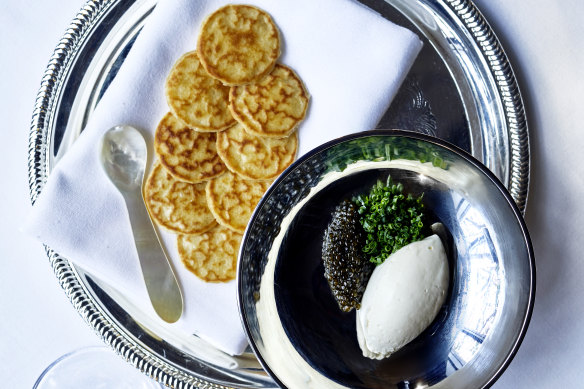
352 62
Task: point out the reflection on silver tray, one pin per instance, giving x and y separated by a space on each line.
461 89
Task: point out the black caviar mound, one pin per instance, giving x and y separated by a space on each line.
347 268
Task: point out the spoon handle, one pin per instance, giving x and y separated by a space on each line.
159 278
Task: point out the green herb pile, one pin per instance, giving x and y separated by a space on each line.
390 218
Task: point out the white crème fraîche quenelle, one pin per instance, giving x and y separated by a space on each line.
402 297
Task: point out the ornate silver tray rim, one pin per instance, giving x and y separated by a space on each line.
40 162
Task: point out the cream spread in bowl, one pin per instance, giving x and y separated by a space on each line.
403 296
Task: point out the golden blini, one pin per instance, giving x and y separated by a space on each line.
178 206
232 199
238 44
255 157
187 154
198 100
272 106
212 255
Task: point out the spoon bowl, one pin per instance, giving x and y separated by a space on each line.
124 156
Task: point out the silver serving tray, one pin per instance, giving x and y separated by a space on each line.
461 89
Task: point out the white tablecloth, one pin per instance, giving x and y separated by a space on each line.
543 41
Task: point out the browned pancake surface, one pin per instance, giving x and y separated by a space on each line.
272 106
187 154
212 255
176 205
232 199
195 98
238 44
255 157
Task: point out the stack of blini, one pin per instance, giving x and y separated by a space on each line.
230 131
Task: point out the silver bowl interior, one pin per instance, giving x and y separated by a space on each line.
293 323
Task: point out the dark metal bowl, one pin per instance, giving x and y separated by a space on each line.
293 323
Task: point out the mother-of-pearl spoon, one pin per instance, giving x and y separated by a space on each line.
124 156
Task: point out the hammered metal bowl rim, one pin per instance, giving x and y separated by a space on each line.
507 197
